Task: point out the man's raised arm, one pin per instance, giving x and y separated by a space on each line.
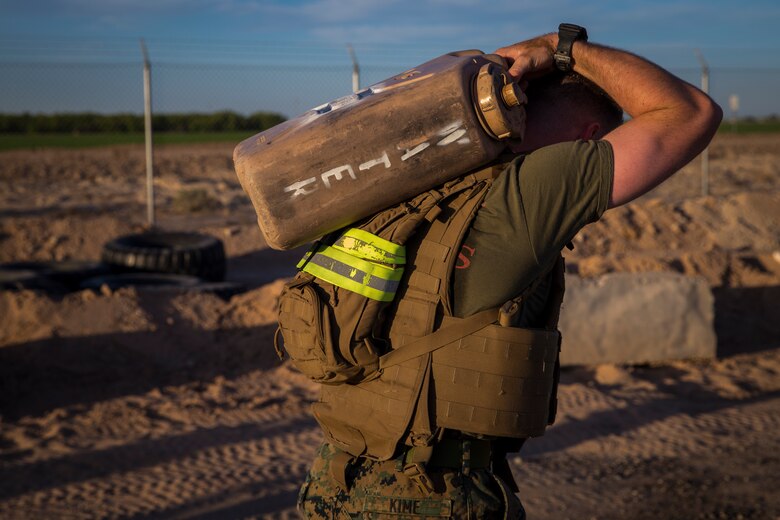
671 120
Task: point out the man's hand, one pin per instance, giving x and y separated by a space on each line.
531 58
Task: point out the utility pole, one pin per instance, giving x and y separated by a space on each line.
148 132
734 106
705 155
355 69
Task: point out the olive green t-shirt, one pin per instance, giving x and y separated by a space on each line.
534 208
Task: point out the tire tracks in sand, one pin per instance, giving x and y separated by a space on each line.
250 457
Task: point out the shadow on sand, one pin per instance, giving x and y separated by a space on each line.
747 319
39 376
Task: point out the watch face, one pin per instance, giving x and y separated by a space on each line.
574 31
570 32
579 33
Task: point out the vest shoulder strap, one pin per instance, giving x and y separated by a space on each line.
444 336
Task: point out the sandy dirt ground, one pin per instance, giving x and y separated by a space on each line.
168 404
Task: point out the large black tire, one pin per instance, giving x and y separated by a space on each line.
190 254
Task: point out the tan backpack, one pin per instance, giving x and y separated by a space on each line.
335 335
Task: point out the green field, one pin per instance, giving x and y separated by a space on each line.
750 127
34 141
16 141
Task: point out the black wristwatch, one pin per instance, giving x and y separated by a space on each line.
568 33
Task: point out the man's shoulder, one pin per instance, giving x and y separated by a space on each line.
563 154
573 177
561 165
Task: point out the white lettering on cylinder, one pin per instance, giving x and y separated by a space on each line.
452 133
452 127
370 164
454 136
337 174
299 188
414 151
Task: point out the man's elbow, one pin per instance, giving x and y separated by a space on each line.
708 115
715 114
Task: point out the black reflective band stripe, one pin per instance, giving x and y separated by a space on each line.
355 274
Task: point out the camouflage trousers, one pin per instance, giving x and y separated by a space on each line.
380 490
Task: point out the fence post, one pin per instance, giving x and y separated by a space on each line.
148 135
355 69
705 155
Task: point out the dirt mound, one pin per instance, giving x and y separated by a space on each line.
88 347
166 403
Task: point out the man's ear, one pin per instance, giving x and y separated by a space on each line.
590 131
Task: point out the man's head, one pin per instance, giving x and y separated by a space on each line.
566 107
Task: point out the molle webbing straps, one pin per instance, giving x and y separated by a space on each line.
438 251
496 381
359 262
373 417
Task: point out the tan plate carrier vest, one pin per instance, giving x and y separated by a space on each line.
401 372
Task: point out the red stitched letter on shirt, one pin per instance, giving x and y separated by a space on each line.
465 261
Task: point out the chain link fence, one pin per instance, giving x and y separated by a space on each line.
176 88
288 82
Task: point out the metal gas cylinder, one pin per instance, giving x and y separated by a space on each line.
364 152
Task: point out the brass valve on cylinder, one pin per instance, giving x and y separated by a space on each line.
499 102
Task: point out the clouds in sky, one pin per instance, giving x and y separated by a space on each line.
450 23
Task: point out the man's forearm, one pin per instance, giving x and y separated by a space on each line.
671 121
637 85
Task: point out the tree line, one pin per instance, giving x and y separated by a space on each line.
88 122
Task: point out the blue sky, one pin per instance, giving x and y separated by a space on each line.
740 40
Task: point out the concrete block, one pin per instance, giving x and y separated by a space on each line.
636 318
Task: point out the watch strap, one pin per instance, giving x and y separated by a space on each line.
568 33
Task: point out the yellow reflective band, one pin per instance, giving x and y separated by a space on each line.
363 244
368 279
